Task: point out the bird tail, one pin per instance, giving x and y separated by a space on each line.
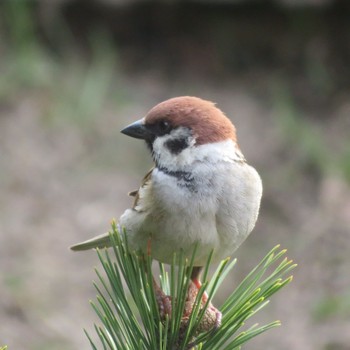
101 241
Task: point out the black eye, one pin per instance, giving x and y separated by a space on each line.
163 126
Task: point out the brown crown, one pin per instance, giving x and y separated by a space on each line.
207 122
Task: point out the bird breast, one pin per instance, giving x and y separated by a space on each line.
213 206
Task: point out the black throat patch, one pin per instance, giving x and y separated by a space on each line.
185 178
180 175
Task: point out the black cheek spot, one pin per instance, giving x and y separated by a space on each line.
176 146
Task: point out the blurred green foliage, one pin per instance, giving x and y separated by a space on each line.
24 63
14 282
75 88
307 141
332 306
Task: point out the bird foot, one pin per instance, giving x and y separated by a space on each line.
163 301
212 317
164 305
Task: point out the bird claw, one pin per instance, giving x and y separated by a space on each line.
211 320
212 317
164 303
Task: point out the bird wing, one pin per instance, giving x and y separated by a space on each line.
137 193
103 241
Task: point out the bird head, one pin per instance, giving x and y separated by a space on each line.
177 130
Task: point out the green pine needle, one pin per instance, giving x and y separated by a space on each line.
127 308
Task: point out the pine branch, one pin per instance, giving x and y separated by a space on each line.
128 310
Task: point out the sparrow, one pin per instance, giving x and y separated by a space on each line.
201 191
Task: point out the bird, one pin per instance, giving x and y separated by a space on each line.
201 192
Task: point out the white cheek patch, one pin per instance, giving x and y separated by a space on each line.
192 155
168 149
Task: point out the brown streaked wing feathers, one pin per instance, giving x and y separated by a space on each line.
135 193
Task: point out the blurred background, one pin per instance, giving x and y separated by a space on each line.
73 73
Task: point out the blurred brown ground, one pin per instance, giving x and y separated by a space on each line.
73 73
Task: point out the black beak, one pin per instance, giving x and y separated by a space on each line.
137 130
